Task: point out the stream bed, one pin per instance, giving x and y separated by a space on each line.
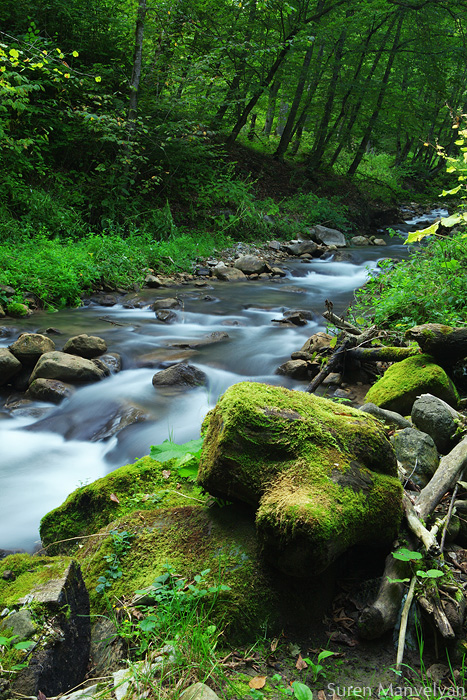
47 451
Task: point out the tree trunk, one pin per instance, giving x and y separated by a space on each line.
288 128
274 89
384 83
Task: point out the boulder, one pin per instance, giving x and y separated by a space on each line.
360 240
438 419
300 248
209 339
329 236
180 375
30 346
228 274
250 264
67 368
417 455
169 303
403 381
113 361
52 588
87 346
199 691
379 241
297 369
51 390
322 476
9 366
166 315
153 282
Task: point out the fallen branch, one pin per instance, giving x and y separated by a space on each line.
334 361
381 354
403 626
340 323
444 479
429 540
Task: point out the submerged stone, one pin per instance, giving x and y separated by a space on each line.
321 475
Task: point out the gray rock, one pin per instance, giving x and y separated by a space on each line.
210 339
360 240
199 691
278 272
297 369
52 390
228 274
379 241
390 418
87 346
169 303
329 236
58 663
9 365
180 375
300 248
67 368
113 361
153 282
438 419
417 454
250 264
166 315
30 346
21 623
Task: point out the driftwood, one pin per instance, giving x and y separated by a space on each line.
444 479
341 323
446 344
334 361
419 530
434 608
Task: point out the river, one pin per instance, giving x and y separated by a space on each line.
47 451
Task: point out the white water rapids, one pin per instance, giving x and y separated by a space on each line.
46 451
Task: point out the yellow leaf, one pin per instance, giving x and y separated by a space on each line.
14 53
98 78
75 54
257 682
67 75
415 236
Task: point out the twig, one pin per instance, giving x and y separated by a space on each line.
404 619
450 512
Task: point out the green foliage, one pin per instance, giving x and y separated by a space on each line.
121 543
316 667
185 457
307 209
12 651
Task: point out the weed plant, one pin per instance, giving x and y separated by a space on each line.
426 288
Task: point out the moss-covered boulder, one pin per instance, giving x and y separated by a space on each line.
321 475
222 543
142 485
45 601
404 381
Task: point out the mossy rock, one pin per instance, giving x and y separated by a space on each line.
195 538
321 475
403 381
142 485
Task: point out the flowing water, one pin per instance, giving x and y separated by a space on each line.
46 451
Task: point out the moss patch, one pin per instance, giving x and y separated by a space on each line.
146 484
27 572
322 474
404 381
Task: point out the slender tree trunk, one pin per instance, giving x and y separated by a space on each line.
286 46
384 83
318 146
274 89
134 86
288 127
352 117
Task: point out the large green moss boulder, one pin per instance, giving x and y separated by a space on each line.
321 475
404 381
219 543
142 485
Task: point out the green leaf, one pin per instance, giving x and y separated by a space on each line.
431 573
325 654
24 645
171 450
333 342
301 691
452 220
404 554
415 236
455 190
